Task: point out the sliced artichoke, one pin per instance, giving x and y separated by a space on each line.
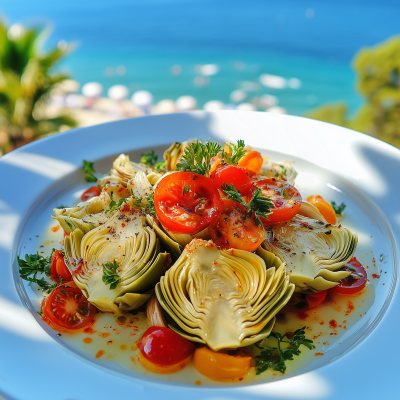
174 153
140 187
127 241
91 213
225 299
283 170
312 250
124 169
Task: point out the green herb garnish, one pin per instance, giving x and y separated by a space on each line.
160 166
33 265
110 275
237 151
149 158
150 205
338 208
197 157
259 205
89 171
276 357
69 224
61 207
185 189
114 205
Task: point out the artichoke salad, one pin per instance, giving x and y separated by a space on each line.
213 242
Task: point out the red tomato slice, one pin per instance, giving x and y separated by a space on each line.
233 228
68 307
91 192
164 347
355 282
305 302
186 202
286 198
58 268
232 175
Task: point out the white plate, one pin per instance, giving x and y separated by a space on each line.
339 163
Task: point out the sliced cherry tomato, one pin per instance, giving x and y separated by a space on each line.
58 268
164 348
220 366
286 199
355 282
66 233
67 307
324 208
91 192
186 202
233 228
232 175
305 302
252 161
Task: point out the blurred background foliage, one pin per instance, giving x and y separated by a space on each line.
27 80
378 81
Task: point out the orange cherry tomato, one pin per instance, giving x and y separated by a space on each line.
252 161
220 366
91 192
324 208
67 307
286 199
186 202
232 175
233 228
355 282
164 350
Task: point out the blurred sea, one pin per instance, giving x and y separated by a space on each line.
312 40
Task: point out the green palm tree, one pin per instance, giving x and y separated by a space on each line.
26 83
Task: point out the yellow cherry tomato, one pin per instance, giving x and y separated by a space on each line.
220 366
324 208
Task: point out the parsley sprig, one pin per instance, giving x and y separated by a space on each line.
258 205
149 158
338 208
114 205
110 275
197 157
33 265
150 205
89 171
237 151
276 357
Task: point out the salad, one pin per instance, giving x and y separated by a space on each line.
212 247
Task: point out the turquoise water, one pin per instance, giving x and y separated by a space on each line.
313 41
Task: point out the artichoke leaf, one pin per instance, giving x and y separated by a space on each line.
312 251
124 169
140 187
124 239
309 210
225 299
271 170
174 153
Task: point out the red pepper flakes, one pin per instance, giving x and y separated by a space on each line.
350 308
109 342
123 225
100 353
375 276
302 315
104 334
88 340
322 323
55 228
319 354
332 324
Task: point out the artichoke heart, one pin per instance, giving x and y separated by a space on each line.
140 187
225 299
125 240
91 213
271 170
174 153
124 169
312 250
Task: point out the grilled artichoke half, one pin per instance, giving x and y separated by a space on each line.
272 170
91 213
125 239
225 299
313 252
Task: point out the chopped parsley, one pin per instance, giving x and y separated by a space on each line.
110 275
276 357
197 157
114 205
61 207
185 189
259 205
338 208
236 151
89 171
160 166
150 205
149 158
35 264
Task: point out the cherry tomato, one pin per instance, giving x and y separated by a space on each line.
355 282
232 175
186 202
233 228
305 302
286 199
220 366
324 208
67 307
252 161
91 192
58 268
164 348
